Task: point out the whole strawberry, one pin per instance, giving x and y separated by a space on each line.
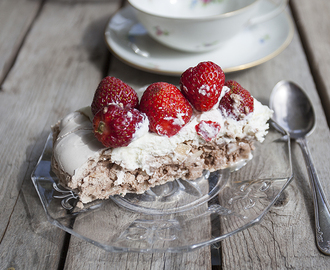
202 85
237 102
113 90
207 129
115 126
167 109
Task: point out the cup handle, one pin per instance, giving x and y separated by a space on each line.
271 14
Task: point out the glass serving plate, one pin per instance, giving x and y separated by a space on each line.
179 216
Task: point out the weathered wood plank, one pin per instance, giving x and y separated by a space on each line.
285 238
13 32
95 258
313 23
62 59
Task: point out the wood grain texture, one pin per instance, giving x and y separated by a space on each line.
95 258
56 72
285 239
13 33
62 59
314 26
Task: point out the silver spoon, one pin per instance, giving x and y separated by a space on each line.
294 112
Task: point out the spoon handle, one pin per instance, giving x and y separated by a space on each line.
322 214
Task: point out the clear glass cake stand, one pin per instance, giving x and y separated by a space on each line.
179 216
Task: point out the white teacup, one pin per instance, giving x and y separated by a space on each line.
198 25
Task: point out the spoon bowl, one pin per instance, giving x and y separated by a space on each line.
294 112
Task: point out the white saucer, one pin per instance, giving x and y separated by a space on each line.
129 41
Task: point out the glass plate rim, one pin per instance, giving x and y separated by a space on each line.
178 249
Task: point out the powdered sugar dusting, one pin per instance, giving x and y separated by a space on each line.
129 115
204 89
179 119
208 129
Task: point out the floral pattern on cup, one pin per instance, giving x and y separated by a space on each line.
204 2
160 32
264 38
211 44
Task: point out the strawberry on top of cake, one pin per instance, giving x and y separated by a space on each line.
129 146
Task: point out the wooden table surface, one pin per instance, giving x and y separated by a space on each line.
53 54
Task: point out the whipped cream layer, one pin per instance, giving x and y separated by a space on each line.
76 143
